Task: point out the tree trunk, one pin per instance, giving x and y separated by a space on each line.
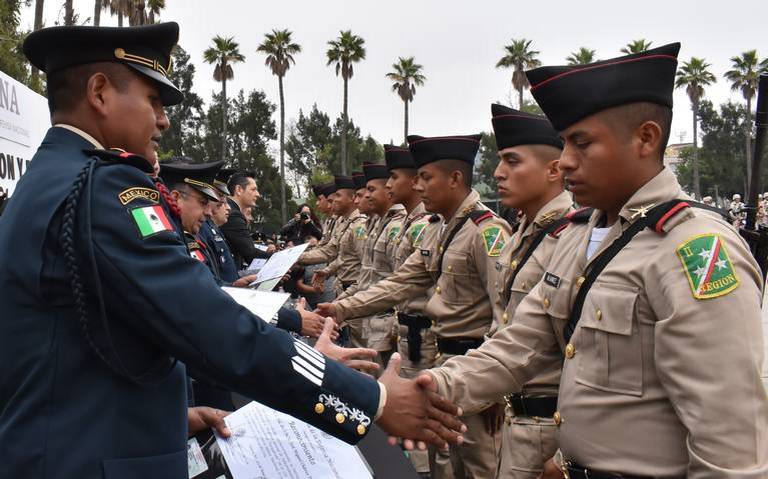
224 112
520 99
283 206
69 13
97 13
696 182
35 78
120 19
405 124
748 142
344 132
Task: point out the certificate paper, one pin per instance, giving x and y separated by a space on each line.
269 444
263 304
279 263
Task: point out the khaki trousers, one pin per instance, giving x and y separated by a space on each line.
526 444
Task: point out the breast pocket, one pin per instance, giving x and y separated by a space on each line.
608 344
524 282
456 276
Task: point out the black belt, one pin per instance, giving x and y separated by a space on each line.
572 470
415 324
532 406
457 346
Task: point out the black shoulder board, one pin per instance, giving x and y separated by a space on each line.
434 219
123 157
580 216
478 216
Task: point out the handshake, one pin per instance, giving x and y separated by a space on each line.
413 411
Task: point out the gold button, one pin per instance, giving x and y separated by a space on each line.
434 323
546 302
437 290
319 408
441 249
450 267
505 317
599 315
513 264
340 418
536 419
119 53
580 280
557 418
508 420
523 285
570 351
361 429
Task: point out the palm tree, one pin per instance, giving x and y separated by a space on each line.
69 13
97 8
636 46
581 57
406 76
35 78
694 75
744 77
121 8
224 52
280 51
520 57
154 7
343 52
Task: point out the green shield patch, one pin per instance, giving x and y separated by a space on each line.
393 232
493 238
360 232
706 264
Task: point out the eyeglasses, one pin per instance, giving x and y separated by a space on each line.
200 199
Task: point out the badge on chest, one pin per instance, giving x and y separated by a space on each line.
552 280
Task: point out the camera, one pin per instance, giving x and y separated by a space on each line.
304 216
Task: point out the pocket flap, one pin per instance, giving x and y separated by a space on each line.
609 308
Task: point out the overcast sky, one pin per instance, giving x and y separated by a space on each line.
458 43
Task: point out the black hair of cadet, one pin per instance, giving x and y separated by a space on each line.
633 115
449 166
67 87
240 179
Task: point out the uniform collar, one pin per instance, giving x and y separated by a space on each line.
465 207
662 187
81 133
554 209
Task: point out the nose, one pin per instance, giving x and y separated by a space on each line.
163 123
498 175
567 159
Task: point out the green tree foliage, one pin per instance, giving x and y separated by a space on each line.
306 142
12 61
583 56
184 137
485 166
519 56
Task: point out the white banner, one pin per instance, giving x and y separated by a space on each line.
24 119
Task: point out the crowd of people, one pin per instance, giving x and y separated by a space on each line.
621 338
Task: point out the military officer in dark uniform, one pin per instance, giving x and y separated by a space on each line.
211 235
102 304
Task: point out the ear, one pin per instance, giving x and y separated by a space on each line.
648 138
456 179
99 92
176 195
553 172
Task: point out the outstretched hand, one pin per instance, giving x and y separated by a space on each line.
326 309
416 412
355 358
312 323
201 418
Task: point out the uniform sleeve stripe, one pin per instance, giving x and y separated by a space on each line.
309 376
312 359
310 367
301 347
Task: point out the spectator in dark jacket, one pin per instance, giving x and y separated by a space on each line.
244 193
303 224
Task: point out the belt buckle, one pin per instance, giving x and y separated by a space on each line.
564 469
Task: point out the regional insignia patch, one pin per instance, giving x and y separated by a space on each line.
707 266
417 233
493 238
393 232
360 232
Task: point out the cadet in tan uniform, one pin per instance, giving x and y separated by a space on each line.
416 340
377 258
661 331
458 253
323 194
530 181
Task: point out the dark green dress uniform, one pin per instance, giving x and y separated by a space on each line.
102 305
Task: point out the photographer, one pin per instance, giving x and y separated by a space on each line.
303 224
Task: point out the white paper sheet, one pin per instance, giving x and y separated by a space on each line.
279 263
256 265
263 304
269 444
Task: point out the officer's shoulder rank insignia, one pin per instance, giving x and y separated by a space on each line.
707 266
150 220
493 239
138 192
393 232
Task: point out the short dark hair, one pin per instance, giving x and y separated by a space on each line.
633 115
238 179
66 88
449 166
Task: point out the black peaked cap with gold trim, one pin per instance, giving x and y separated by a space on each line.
398 157
199 176
513 128
344 182
375 171
568 94
146 49
359 179
430 149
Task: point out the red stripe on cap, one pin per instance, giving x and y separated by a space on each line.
593 67
659 228
125 154
441 138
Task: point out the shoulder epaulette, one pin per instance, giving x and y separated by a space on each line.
123 157
434 219
580 216
478 216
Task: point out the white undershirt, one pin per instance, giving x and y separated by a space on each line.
597 237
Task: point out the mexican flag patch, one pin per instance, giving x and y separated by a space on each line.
709 270
151 220
493 238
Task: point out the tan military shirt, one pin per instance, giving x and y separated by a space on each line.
407 241
328 227
460 304
346 264
662 374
